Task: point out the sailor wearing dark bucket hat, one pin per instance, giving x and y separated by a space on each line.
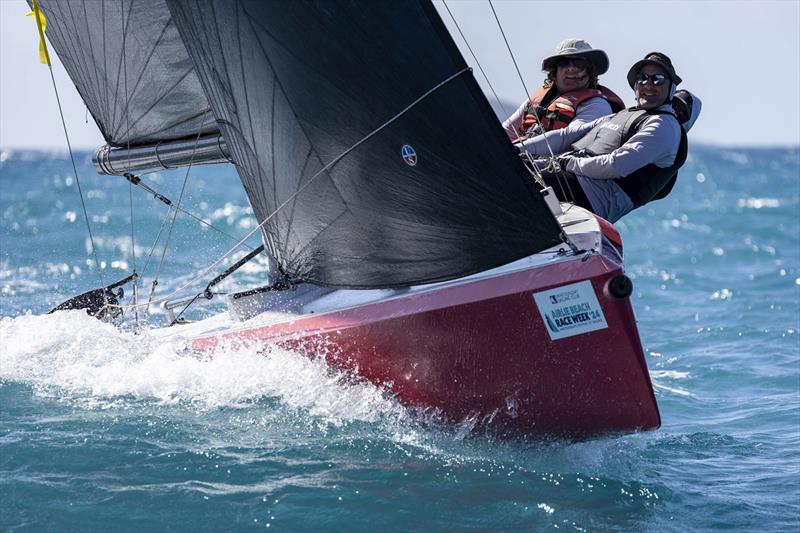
570 94
618 163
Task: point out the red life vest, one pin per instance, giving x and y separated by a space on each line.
563 107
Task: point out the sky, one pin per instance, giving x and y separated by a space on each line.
742 58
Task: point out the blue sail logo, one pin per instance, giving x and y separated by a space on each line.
409 155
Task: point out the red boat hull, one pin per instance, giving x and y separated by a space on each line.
481 350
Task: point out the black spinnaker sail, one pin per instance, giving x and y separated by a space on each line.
131 68
296 86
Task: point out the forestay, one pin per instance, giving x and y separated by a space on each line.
296 85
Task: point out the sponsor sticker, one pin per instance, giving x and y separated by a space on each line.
570 310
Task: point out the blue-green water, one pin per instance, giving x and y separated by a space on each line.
104 430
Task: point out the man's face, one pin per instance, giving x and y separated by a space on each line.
571 73
649 94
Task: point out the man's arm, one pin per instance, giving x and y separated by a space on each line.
656 142
559 141
513 123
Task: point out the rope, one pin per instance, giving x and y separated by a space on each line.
74 167
310 181
489 83
513 59
155 242
508 47
136 180
179 315
172 225
130 185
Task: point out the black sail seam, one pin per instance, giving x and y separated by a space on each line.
135 88
97 83
113 118
294 204
298 253
73 52
76 51
155 103
250 20
260 182
272 141
107 98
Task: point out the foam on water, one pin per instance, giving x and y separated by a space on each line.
72 355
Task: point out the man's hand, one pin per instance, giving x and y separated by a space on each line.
566 162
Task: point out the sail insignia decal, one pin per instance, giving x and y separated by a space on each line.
409 155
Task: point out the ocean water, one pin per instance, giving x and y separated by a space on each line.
104 429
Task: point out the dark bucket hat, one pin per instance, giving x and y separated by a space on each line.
662 60
578 48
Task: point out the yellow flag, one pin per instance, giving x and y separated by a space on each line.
41 23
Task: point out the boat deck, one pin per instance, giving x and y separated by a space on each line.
303 300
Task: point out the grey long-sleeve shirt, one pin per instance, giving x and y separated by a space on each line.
587 111
656 142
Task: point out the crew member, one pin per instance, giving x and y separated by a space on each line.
570 94
620 162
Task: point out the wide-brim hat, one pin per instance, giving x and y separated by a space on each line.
659 59
578 48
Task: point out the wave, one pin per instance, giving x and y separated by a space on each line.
73 356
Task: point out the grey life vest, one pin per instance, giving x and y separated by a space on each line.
648 183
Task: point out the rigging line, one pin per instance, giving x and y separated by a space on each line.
172 224
562 175
193 300
133 255
555 169
499 102
137 180
509 48
513 59
130 184
200 220
158 237
207 294
72 158
312 178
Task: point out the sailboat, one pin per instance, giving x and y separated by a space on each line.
408 243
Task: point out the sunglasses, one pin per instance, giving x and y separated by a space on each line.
577 62
656 79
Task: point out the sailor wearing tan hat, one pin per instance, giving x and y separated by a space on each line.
620 162
570 94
